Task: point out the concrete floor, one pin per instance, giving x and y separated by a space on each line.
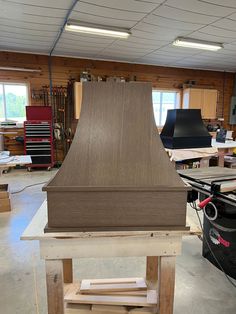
200 287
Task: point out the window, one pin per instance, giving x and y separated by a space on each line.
13 99
162 101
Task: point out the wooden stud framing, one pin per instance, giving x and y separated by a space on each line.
55 290
166 284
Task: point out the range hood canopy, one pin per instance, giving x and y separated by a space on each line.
116 174
184 128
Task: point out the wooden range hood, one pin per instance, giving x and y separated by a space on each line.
116 175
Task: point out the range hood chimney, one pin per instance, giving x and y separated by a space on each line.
116 175
184 128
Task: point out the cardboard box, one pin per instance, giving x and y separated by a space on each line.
5 205
4 193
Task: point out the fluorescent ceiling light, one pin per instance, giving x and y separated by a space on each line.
95 29
19 69
197 44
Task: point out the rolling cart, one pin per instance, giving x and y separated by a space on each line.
38 137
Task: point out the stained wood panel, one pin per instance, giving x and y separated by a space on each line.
116 143
116 173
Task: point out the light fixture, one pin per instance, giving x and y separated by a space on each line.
95 29
19 69
197 44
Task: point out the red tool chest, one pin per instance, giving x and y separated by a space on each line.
38 136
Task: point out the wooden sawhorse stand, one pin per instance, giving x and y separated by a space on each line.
58 249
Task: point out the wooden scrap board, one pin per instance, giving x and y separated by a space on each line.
106 309
149 299
5 204
101 286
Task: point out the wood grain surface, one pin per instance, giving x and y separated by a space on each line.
116 142
116 172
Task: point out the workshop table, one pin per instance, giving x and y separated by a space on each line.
7 161
203 153
223 149
59 249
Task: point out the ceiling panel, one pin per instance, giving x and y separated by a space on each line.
60 4
132 44
216 31
202 7
33 25
83 39
121 52
29 25
117 46
24 48
159 31
155 61
226 3
10 9
75 53
37 20
230 47
153 35
227 24
26 31
18 35
103 11
174 50
156 20
232 16
161 56
43 11
103 20
124 5
184 16
16 41
210 37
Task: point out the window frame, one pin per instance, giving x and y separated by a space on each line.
22 83
177 102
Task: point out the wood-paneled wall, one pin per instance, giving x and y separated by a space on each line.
161 77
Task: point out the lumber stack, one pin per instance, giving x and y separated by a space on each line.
5 204
110 296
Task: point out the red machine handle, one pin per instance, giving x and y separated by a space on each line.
205 202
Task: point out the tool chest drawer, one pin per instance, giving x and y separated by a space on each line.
39 142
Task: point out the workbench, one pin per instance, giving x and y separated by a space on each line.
223 149
204 154
217 149
59 249
7 161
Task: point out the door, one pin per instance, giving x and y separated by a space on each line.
195 98
210 97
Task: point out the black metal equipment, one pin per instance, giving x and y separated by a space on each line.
184 128
217 194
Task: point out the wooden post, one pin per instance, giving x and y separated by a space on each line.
68 270
152 272
221 156
166 284
55 290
